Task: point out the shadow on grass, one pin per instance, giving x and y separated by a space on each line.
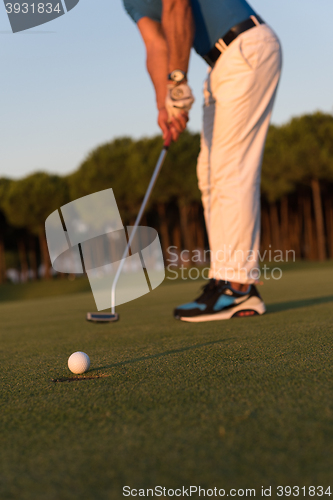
296 304
136 360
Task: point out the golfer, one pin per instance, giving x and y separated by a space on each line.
243 55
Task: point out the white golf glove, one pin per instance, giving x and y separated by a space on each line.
178 99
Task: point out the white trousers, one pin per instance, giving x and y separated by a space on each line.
239 94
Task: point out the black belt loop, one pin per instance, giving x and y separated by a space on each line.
212 56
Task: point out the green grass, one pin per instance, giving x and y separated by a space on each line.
238 404
42 289
64 286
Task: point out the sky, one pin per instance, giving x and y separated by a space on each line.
79 81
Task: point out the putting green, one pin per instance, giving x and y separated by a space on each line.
238 404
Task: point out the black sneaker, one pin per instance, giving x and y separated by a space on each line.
220 301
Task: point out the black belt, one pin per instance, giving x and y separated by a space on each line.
229 37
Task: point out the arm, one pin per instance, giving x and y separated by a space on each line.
157 57
178 26
163 52
157 66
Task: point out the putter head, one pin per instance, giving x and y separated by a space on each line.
96 317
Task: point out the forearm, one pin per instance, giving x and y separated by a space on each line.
171 121
157 66
178 27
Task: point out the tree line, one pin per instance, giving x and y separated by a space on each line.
296 194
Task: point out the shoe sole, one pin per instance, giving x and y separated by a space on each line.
251 307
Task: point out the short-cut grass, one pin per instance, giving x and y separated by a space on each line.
243 403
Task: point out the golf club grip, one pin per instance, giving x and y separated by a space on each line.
168 141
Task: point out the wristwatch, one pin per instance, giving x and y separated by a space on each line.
177 76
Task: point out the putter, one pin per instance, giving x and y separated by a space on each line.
103 317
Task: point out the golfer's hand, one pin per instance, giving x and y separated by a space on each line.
179 99
174 126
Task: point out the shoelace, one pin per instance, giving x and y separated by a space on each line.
211 288
208 290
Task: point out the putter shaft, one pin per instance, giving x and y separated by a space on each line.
136 224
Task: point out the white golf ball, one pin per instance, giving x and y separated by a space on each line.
79 362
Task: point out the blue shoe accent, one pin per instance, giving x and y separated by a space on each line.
222 302
193 305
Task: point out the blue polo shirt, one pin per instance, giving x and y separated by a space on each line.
213 18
